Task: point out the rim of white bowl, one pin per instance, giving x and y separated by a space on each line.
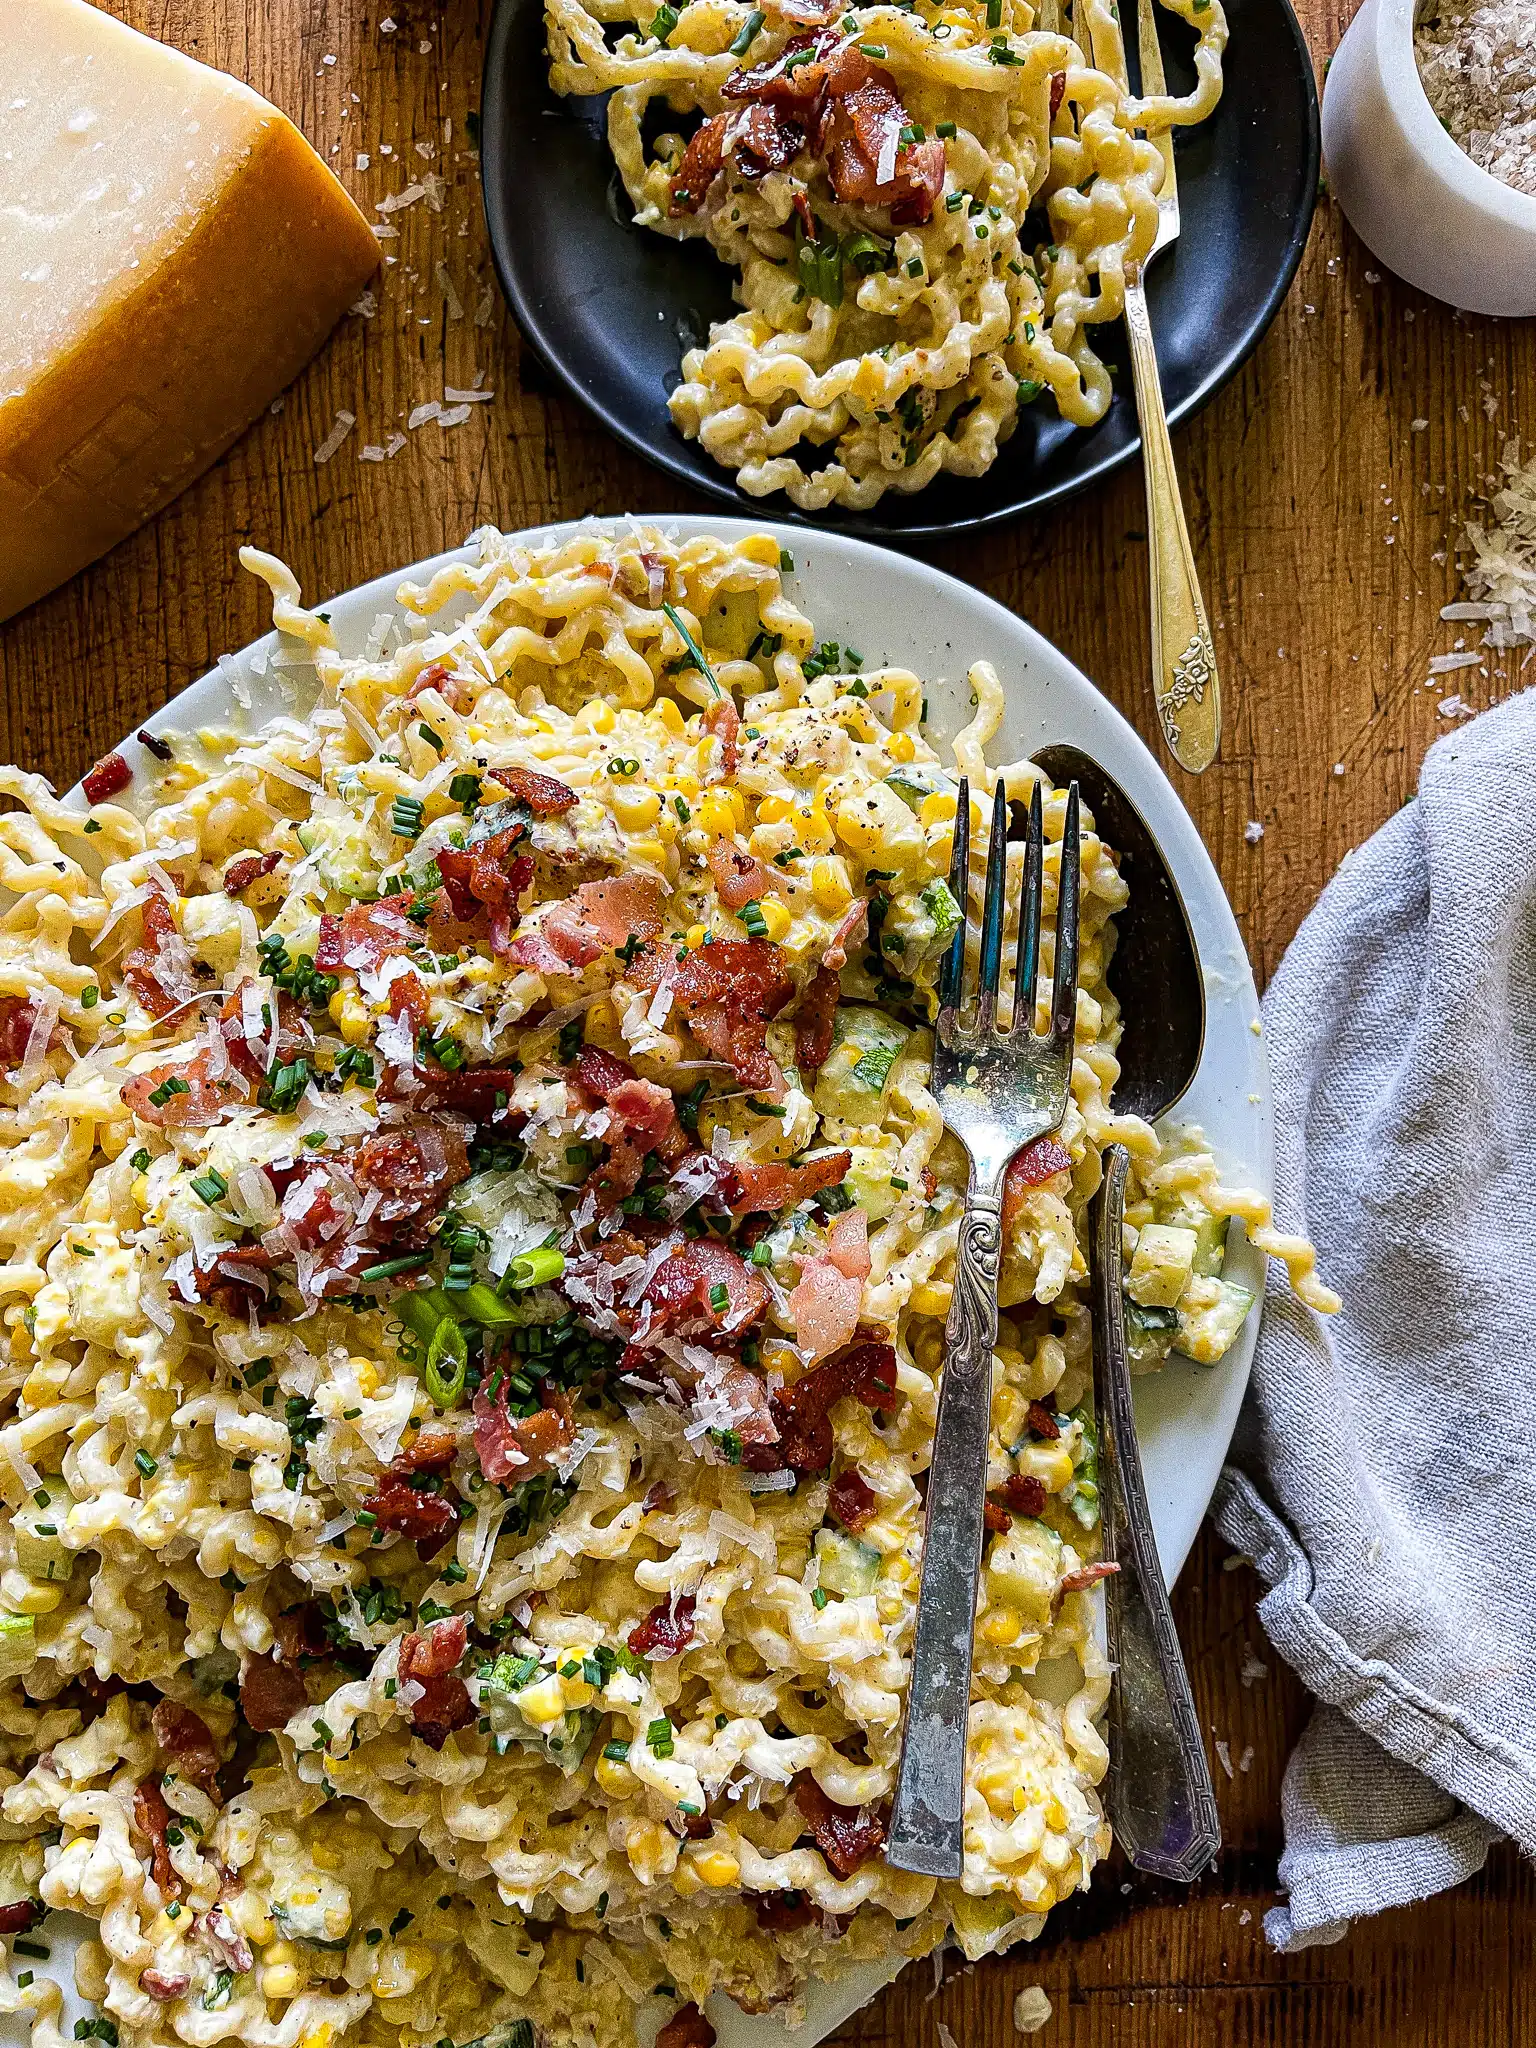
1399 64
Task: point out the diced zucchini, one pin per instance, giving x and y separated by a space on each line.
981 1925
1161 1269
868 1180
914 784
343 858
942 908
1082 1496
844 1564
563 1738
1149 1335
1022 1571
40 1550
1210 1318
18 1644
865 1046
1210 1232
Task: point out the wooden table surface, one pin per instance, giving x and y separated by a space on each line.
1325 528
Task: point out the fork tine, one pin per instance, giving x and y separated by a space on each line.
990 968
952 974
1064 988
1153 78
1026 971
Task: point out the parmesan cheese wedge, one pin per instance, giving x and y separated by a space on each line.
172 252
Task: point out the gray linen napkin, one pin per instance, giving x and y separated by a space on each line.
1384 1472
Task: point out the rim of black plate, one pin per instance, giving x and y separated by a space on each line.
687 463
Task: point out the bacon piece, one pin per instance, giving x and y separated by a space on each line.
780 1912
846 1835
486 877
1042 1421
17 1918
764 138
1087 1575
852 1501
740 877
151 1816
727 991
649 588
813 1019
228 1945
1031 1168
995 1517
397 1505
680 1299
545 795
250 867
433 1451
165 1984
205 1099
147 968
367 935
471 1091
429 1660
512 1448
1023 1494
861 137
812 12
598 918
414 1167
852 922
1058 91
453 690
722 721
774 1184
825 1304
300 1633
865 1371
666 1631
848 1244
237 1279
796 75
644 1111
687 2028
110 775
186 1739
270 1694
701 160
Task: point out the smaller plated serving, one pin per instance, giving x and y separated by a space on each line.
870 173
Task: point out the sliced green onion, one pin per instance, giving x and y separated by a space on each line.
405 815
146 1464
719 1297
751 915
447 1363
386 1269
536 1268
210 1187
663 21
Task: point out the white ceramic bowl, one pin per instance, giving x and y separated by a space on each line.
1413 196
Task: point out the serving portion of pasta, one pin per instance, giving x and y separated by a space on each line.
930 205
478 1239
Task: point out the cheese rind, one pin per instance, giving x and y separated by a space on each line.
172 252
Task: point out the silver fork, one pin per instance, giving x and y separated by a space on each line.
997 1090
1184 677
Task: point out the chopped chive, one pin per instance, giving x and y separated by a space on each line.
210 1187
386 1269
140 1162
749 33
147 1465
693 647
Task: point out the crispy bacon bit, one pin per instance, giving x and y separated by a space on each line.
1058 91
681 1300
147 967
110 775
250 867
160 748
813 1019
666 1630
518 1447
849 926
701 160
1028 1169
598 918
151 1816
433 1451
300 1633
774 1185
779 1912
487 878
545 795
17 1918
764 138
740 877
868 164
852 1501
995 1517
825 1303
224 1938
17 1016
797 74
727 991
186 1739
1087 1575
722 721
165 1984
368 935
643 1120
396 1504
1023 1494
453 690
658 1495
867 1371
687 2028
846 1835
648 587
429 1660
413 1167
270 1694
205 1098
1042 1421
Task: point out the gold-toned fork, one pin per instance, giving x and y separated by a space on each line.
1184 676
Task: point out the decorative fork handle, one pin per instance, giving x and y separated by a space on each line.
1161 1804
1184 677
926 1822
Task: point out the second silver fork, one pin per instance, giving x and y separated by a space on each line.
997 1091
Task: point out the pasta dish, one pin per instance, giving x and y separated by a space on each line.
478 1238
929 206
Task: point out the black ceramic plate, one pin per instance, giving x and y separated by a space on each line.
610 307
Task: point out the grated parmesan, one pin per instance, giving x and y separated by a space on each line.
1477 59
1500 576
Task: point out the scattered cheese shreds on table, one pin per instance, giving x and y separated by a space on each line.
1500 576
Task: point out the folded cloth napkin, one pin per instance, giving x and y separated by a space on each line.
1384 1471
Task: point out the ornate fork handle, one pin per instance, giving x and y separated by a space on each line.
930 1792
1184 676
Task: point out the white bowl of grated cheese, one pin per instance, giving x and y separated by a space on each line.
1410 191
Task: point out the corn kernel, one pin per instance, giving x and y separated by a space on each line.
367 1378
350 1016
901 746
636 807
937 809
30 1596
718 1867
773 810
651 851
717 814
279 1980
685 785
616 1779
1001 1628
1020 1798
595 716
932 1298
251 1917
1009 1409
813 828
694 937
738 804
830 885
775 917
37 1389
686 1881
282 1953
666 713
859 828
543 1702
